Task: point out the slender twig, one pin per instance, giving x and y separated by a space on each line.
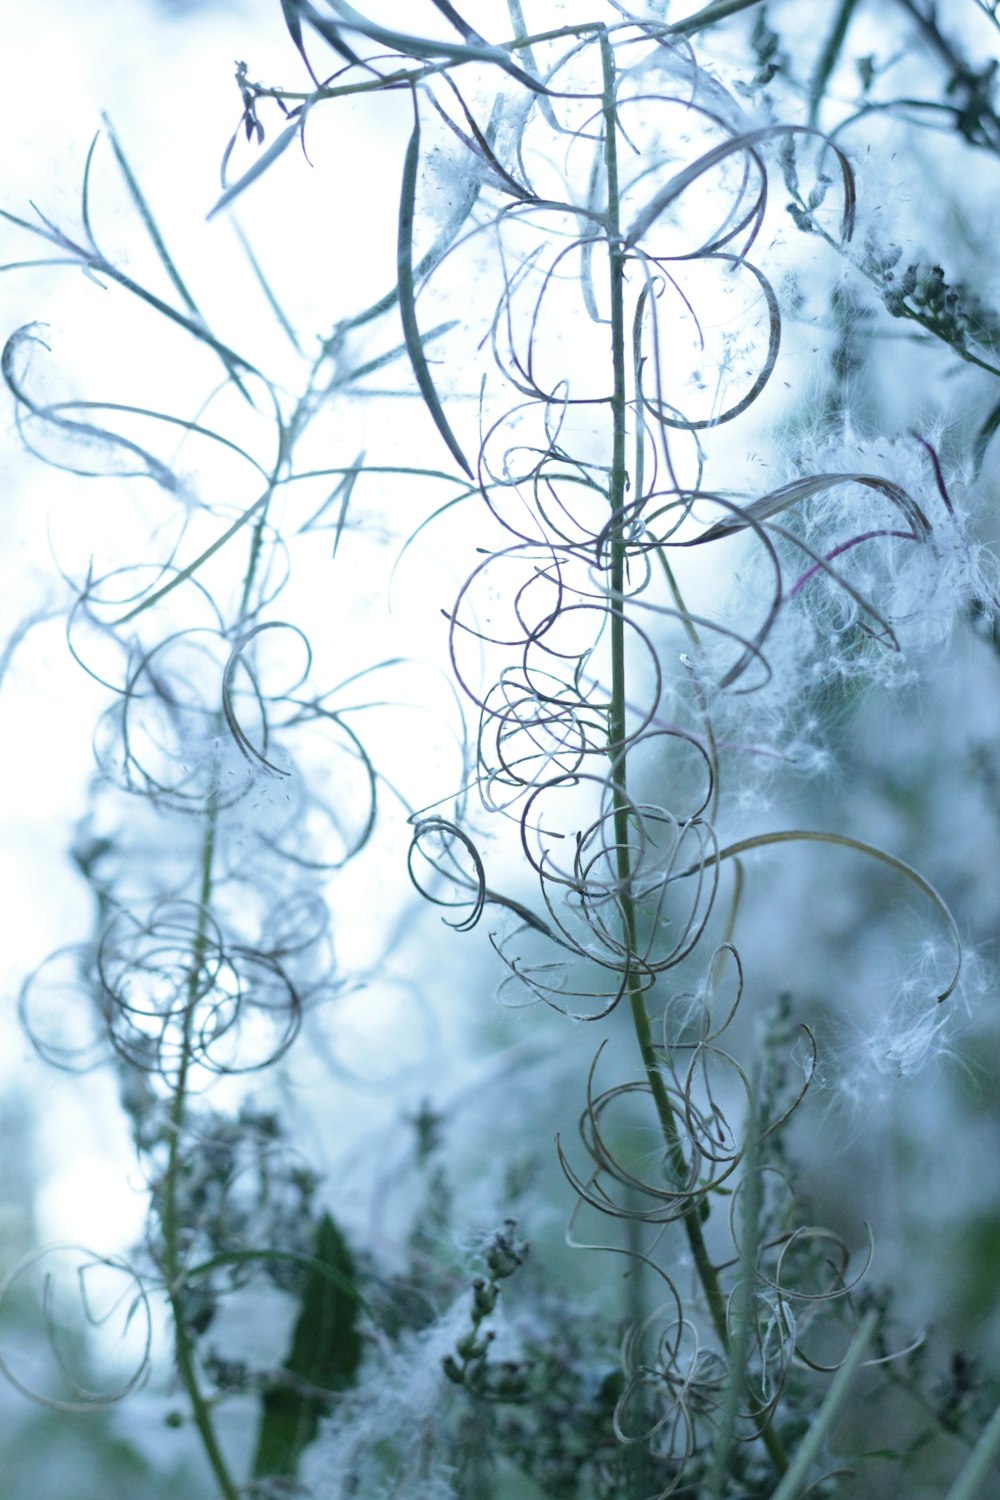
828 57
173 1268
617 734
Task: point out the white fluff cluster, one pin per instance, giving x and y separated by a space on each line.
859 599
384 1438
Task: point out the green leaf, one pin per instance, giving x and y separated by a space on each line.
983 436
524 46
407 308
673 189
290 11
149 223
460 25
709 14
260 166
798 490
430 48
324 1356
344 490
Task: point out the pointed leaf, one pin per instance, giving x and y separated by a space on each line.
979 1464
290 10
277 146
151 226
417 46
796 1478
718 10
802 489
683 179
324 1356
407 309
451 14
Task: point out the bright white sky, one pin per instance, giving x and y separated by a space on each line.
163 73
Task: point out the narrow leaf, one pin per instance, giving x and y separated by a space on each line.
796 1477
462 27
672 190
407 308
416 46
151 227
202 558
829 56
982 439
791 494
85 191
524 46
329 31
710 14
265 287
277 146
159 245
343 491
380 361
982 1459
190 325
290 11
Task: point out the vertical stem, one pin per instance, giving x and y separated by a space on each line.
617 733
173 1268
748 1240
169 1222
828 57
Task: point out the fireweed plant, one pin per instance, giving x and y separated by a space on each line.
583 315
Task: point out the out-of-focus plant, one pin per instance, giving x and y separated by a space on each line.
584 312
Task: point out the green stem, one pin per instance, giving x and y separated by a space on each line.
695 639
173 1268
797 1476
691 1219
748 1240
710 14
